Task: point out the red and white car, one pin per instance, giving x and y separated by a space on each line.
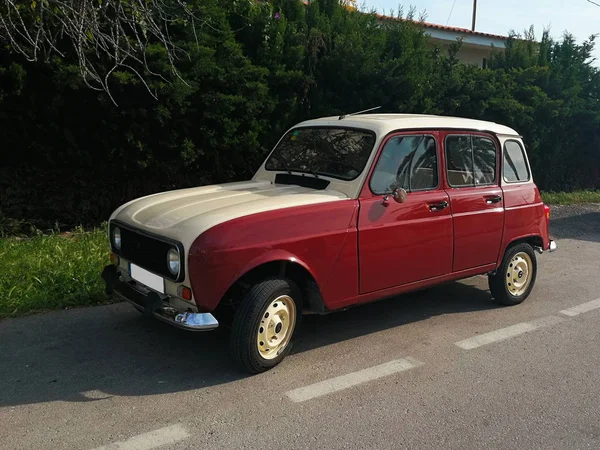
344 211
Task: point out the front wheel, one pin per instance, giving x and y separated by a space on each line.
513 281
264 325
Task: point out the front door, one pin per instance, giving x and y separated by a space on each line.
401 243
475 198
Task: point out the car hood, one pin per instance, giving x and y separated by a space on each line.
186 213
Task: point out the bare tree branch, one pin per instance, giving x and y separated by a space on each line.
104 35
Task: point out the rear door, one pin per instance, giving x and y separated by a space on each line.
400 243
476 199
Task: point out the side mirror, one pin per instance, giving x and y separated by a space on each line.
398 194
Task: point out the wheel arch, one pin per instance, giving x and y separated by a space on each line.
278 264
535 240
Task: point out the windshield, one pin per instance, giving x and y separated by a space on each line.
334 152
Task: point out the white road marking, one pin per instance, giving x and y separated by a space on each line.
152 439
507 333
352 379
583 308
495 336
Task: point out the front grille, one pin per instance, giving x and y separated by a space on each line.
147 251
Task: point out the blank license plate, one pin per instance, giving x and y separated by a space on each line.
147 278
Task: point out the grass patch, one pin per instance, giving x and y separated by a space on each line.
571 198
52 271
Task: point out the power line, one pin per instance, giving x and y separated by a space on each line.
450 15
593 3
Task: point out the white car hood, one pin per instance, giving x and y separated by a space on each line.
184 214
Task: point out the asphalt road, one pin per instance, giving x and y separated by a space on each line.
441 368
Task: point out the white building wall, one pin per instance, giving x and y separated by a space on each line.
475 49
467 54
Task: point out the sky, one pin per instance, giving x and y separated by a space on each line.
579 17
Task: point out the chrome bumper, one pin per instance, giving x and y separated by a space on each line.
152 304
552 247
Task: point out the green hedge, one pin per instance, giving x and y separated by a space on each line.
69 156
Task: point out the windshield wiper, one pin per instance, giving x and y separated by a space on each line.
282 160
287 168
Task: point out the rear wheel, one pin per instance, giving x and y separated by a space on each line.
264 325
514 280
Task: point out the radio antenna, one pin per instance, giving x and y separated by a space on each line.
343 116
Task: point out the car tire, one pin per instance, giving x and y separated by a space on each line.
264 324
514 280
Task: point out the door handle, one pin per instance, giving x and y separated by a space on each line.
438 206
493 199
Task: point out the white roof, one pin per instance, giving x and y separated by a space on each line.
386 123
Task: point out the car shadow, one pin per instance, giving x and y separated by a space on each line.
448 298
89 354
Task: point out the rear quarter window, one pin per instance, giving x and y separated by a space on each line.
515 165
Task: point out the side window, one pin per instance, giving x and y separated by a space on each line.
459 161
408 162
515 163
470 160
484 160
424 172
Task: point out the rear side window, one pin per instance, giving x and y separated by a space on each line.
515 163
459 161
484 160
408 162
470 160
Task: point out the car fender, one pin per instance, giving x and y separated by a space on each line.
276 255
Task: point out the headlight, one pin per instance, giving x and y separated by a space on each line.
117 238
173 261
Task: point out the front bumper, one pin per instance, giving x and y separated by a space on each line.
154 304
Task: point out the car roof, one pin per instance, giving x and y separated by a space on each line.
386 123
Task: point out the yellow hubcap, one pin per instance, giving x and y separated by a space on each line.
276 327
518 274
